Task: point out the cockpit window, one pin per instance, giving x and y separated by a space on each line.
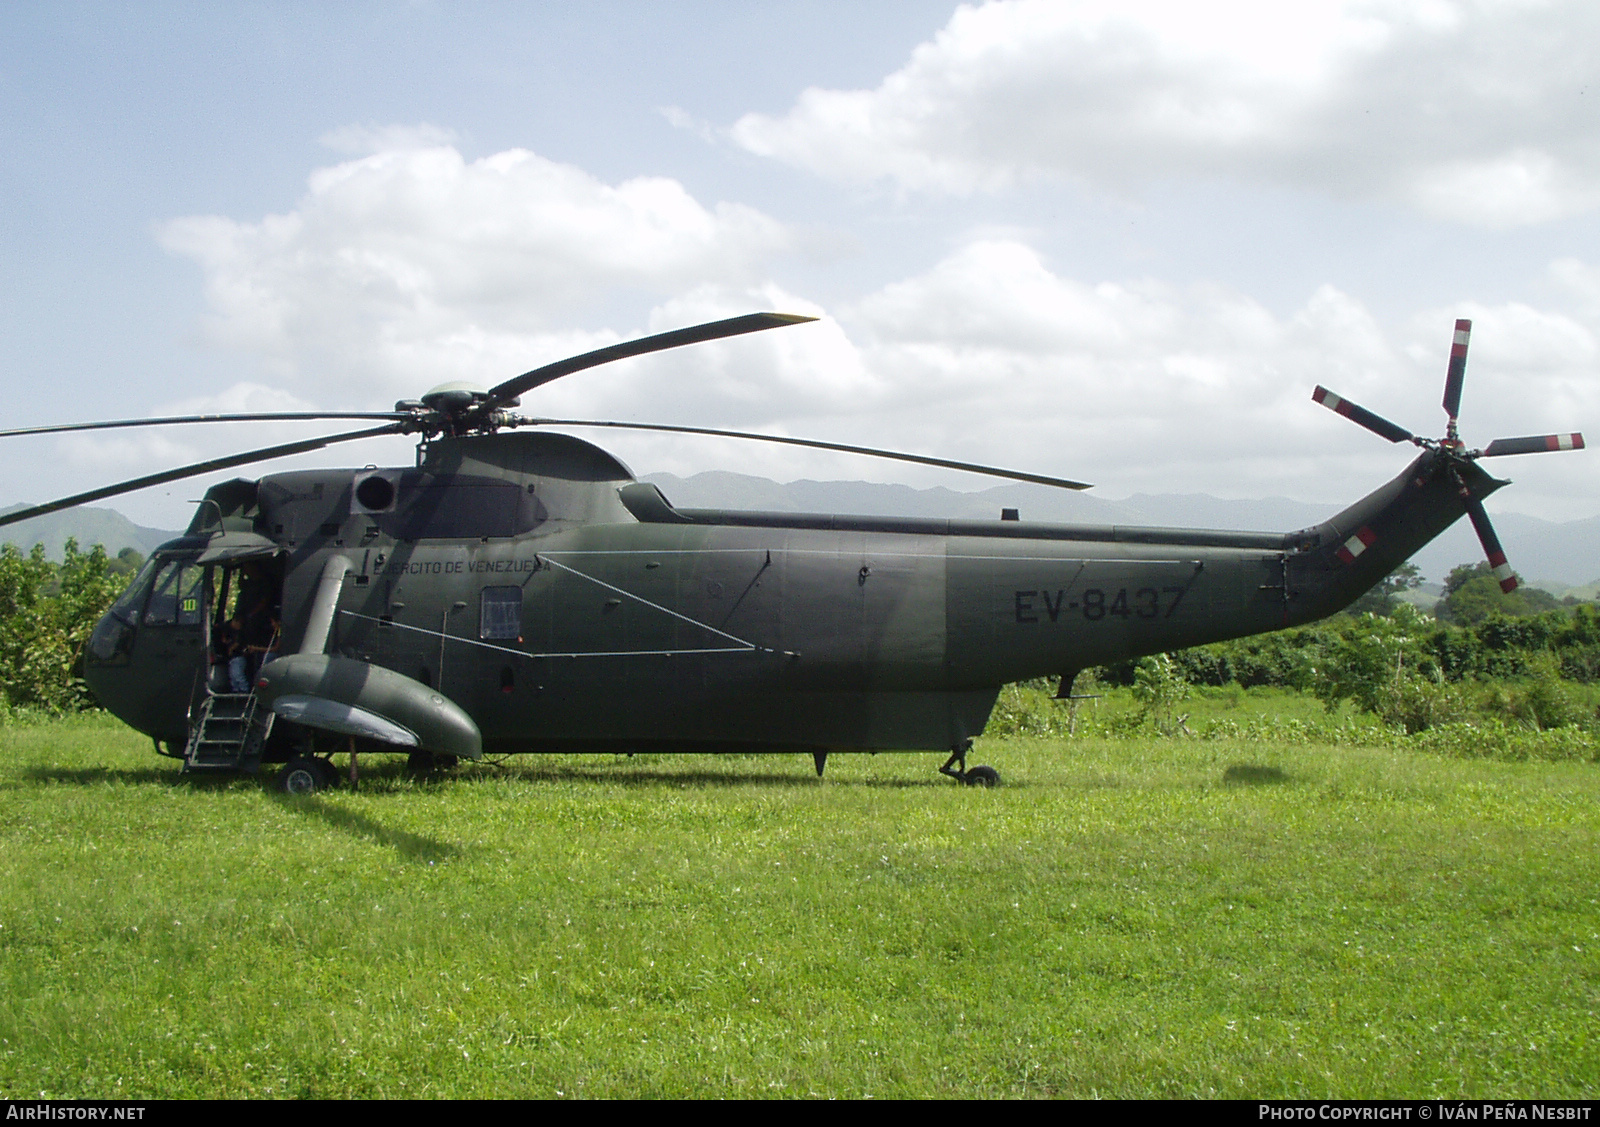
130 601
176 599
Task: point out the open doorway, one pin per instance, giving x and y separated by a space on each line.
247 627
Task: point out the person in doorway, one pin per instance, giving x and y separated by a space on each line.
265 646
255 600
232 637
223 639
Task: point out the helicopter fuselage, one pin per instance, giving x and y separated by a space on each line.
531 581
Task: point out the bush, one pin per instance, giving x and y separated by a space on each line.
1542 703
1028 708
1417 704
1492 739
1375 663
47 612
1159 686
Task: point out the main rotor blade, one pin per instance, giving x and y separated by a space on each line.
502 394
1491 545
1535 444
170 420
262 455
1457 371
1362 417
945 463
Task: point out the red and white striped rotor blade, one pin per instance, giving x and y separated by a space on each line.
1457 372
1491 545
1362 417
1533 444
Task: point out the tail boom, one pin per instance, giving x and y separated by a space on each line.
1336 562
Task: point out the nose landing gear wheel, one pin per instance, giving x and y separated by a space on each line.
428 763
306 775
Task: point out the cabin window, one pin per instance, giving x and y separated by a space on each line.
500 614
176 599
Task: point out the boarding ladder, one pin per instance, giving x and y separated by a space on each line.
228 734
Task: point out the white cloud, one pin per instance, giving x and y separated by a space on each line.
1138 385
1482 113
412 266
1142 386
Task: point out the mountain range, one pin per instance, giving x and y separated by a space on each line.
88 526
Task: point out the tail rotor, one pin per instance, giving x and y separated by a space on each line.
1452 448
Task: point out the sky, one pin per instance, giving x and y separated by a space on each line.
1113 242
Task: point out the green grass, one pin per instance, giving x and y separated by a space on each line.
1122 918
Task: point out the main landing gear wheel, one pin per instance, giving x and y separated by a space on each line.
956 767
982 776
307 775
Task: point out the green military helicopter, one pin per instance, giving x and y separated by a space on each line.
517 590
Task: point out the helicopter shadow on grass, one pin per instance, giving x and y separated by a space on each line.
412 847
647 777
1254 775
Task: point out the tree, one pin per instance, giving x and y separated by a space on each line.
1384 597
1472 593
1386 666
47 612
126 564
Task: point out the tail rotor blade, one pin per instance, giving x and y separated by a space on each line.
1362 417
1491 545
1458 369
1534 444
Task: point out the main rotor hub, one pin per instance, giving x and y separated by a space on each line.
455 398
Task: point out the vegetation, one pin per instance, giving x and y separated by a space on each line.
1386 596
47 611
1127 917
1512 664
1472 594
1280 717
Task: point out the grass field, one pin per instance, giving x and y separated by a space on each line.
1132 917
